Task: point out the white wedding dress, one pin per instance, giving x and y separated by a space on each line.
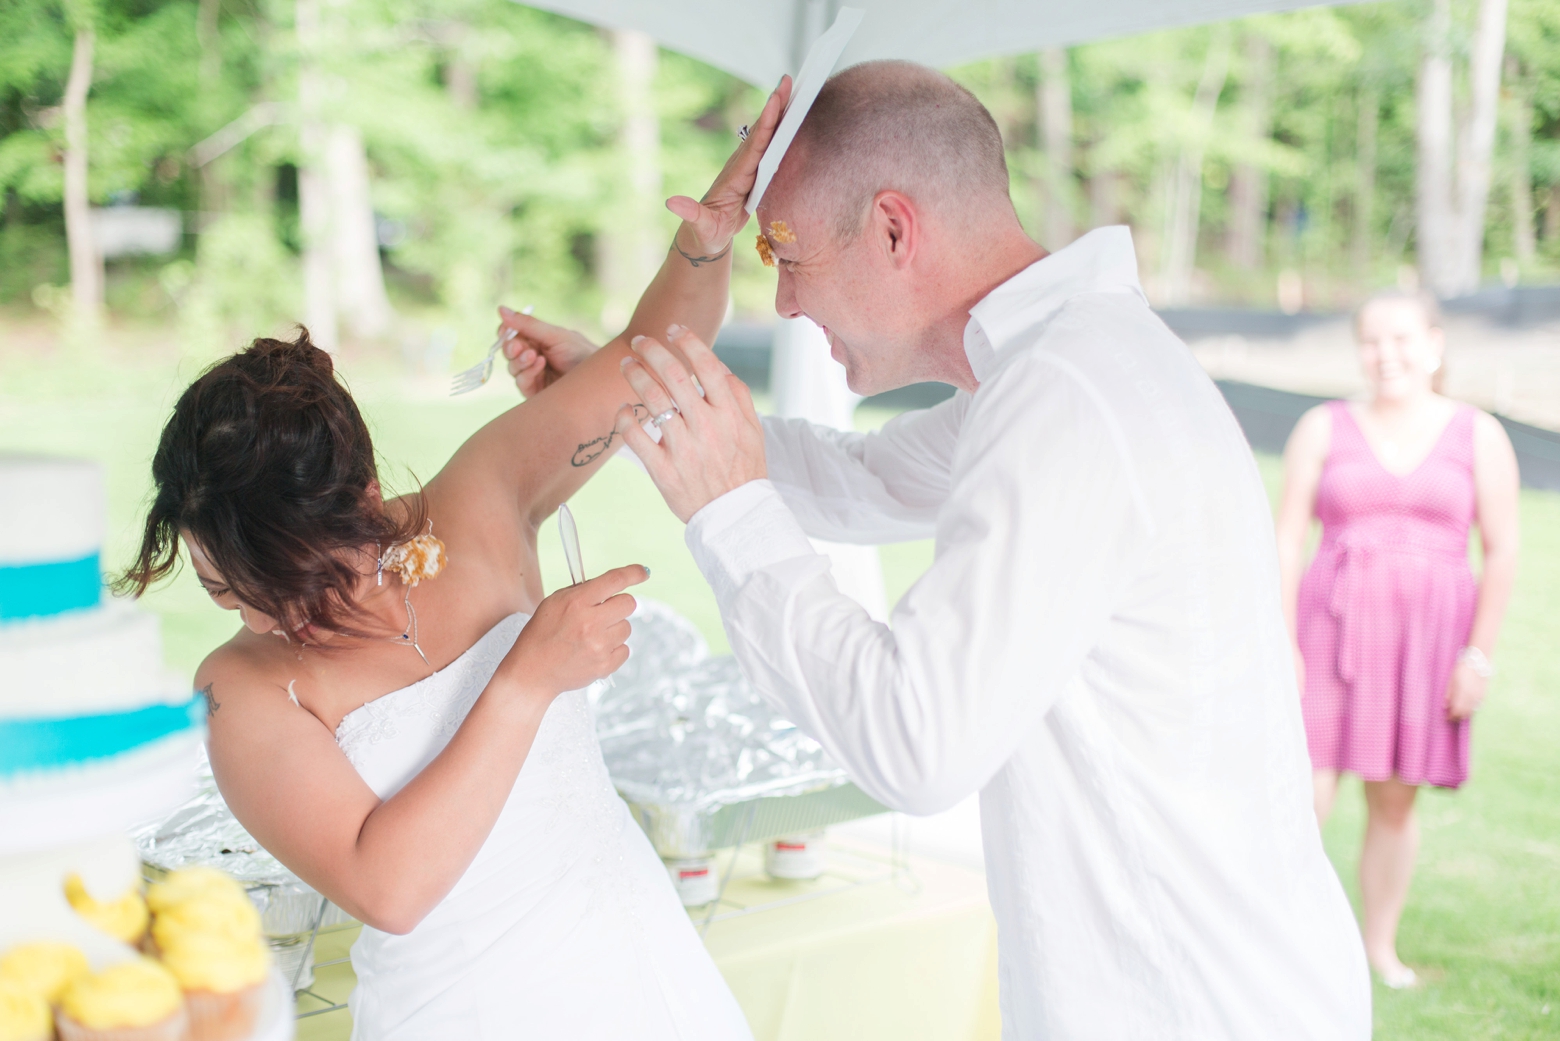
564 926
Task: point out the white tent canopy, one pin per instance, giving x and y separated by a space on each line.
761 40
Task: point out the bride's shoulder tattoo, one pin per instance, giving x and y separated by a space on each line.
212 704
591 450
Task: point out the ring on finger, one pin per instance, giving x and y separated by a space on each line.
663 418
742 132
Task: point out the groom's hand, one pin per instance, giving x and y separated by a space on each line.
710 444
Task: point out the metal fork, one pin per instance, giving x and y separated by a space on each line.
468 380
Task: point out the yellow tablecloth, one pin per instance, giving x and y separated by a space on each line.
858 955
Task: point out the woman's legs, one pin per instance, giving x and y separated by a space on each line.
1386 866
1324 788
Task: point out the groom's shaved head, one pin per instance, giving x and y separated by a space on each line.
894 125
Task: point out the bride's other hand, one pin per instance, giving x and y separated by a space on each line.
541 352
711 223
577 635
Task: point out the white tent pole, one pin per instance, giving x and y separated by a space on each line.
806 383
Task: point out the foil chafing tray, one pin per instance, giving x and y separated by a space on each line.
702 760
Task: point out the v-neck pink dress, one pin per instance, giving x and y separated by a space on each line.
1386 605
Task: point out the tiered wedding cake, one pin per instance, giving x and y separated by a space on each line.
96 737
94 733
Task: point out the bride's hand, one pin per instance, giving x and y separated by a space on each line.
541 352
577 635
710 224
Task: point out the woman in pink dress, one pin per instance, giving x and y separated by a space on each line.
1394 635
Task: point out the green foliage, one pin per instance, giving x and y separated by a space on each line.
491 131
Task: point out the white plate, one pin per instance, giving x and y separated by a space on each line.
276 1015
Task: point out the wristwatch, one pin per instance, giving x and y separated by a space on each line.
1476 660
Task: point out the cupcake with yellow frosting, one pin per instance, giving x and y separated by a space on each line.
223 980
124 918
44 968
207 933
135 1000
190 883
24 1014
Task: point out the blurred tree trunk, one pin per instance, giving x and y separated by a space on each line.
1104 198
1552 215
319 290
360 281
86 263
206 35
460 74
1053 105
1249 181
1453 186
629 248
1365 176
1523 244
1185 211
213 188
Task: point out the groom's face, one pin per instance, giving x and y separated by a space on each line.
845 286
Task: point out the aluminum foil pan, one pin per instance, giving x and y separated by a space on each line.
704 762
203 831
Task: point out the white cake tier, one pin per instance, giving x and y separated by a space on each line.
82 802
50 509
106 659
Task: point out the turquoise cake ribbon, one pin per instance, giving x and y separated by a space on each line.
28 745
39 590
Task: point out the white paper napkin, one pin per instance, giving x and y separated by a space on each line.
821 59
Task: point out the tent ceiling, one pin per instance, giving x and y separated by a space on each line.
761 40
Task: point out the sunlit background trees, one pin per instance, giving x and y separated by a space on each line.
387 170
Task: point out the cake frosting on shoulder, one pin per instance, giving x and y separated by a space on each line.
84 698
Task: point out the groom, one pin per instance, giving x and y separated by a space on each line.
1097 648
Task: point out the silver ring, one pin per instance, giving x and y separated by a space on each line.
664 417
742 131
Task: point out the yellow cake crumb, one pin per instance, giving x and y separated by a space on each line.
781 232
765 254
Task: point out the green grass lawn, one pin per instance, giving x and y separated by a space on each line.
1483 922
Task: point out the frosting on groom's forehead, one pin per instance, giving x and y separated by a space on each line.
886 125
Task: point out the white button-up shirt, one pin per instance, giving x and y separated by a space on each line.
1097 649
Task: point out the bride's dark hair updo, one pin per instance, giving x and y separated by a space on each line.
266 463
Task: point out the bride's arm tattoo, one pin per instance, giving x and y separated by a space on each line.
591 450
212 704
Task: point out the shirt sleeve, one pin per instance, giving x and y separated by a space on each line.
1043 528
885 486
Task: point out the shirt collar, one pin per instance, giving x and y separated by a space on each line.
1101 261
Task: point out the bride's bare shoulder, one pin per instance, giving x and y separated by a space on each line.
241 676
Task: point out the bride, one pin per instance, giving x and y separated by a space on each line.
400 720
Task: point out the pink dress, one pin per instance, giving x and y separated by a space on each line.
1385 607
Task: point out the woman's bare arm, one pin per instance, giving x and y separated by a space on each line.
543 450
389 863
1497 488
1304 457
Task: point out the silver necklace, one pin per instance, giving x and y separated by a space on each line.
408 638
